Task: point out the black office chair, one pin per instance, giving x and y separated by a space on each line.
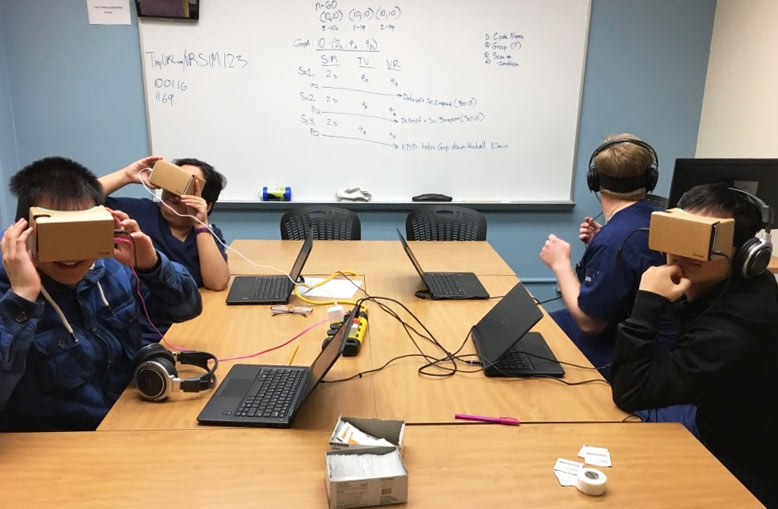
328 223
445 222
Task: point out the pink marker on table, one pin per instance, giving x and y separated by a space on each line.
495 420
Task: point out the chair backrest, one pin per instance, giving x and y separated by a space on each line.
445 222
327 223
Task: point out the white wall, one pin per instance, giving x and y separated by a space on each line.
77 91
740 104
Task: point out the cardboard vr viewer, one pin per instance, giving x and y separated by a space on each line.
681 233
69 235
174 179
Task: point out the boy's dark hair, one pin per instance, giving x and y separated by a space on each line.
214 181
57 182
717 199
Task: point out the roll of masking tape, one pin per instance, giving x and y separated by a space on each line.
591 481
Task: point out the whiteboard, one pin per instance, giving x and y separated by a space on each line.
478 100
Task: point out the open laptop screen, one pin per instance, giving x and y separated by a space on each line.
512 317
302 257
408 251
329 354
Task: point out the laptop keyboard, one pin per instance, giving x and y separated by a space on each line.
271 288
514 360
275 393
444 283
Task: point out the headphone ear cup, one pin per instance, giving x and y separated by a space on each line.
155 369
752 258
593 178
652 177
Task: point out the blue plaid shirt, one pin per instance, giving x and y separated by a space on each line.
51 381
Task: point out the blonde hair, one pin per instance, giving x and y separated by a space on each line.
624 160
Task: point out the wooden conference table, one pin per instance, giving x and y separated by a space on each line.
654 465
148 454
397 391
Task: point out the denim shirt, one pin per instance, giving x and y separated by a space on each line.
51 380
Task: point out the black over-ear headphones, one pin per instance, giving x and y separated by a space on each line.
156 376
752 258
623 185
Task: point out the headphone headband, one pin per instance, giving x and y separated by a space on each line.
765 210
622 185
199 359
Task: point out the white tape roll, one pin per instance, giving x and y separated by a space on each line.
591 481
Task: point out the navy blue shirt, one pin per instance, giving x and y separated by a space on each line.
146 212
609 279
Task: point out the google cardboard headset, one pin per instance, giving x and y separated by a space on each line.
699 237
752 258
155 372
647 179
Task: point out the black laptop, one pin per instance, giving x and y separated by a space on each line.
447 285
503 342
269 289
269 396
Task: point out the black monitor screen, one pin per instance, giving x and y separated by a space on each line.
756 176
175 9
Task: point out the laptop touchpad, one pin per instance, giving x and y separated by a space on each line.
236 387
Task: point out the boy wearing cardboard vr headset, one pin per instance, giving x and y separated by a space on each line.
190 187
726 307
70 320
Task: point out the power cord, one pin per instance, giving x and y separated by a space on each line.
438 363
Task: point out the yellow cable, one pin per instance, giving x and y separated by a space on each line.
328 278
320 283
